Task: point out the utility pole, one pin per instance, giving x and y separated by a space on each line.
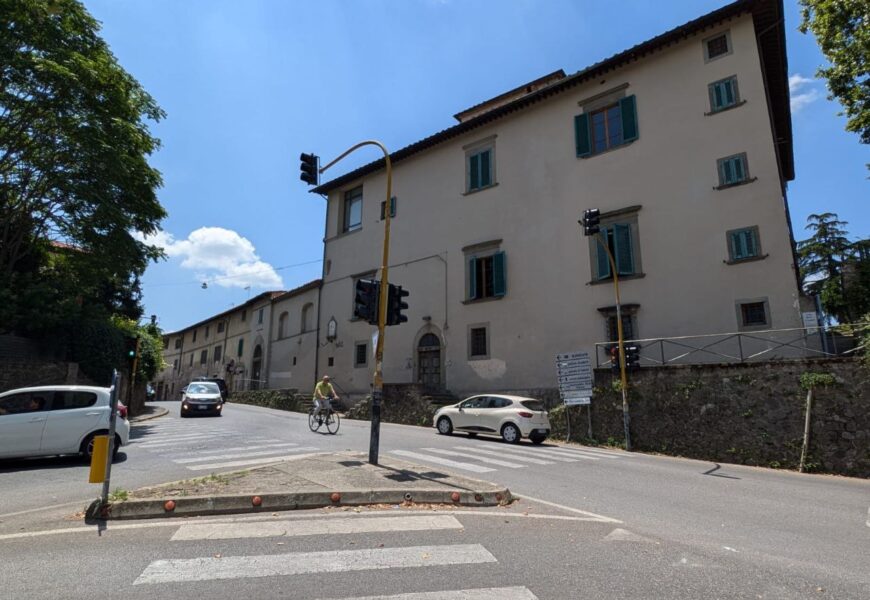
378 384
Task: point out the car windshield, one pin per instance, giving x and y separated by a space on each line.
533 404
203 388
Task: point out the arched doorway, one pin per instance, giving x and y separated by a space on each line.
429 361
256 367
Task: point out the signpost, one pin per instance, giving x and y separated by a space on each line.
574 372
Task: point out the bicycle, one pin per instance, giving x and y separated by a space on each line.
317 418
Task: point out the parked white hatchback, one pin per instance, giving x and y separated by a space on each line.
57 419
511 417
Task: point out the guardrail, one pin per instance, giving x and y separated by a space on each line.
743 346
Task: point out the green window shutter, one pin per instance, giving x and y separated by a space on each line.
739 171
601 260
751 243
581 135
499 274
472 278
727 172
716 96
737 247
485 168
622 244
728 92
628 108
473 172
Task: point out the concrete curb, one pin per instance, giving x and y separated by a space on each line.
151 416
194 506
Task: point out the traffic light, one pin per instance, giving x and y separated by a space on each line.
614 358
309 168
632 356
591 219
395 305
365 300
131 347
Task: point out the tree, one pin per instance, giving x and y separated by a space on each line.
835 269
74 144
842 29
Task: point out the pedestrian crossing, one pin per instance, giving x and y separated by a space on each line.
186 565
484 458
213 447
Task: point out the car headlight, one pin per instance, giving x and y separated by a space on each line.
185 406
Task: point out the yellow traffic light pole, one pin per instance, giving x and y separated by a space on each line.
378 387
625 416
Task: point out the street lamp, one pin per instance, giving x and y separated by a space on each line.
590 221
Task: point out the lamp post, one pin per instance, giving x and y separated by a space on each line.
378 384
590 221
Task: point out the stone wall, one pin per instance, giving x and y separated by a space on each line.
282 399
27 373
400 403
737 413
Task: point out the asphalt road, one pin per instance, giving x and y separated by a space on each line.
685 525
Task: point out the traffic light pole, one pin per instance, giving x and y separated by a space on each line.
625 416
378 387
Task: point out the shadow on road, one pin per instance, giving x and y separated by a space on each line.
15 465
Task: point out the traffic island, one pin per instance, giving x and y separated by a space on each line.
312 481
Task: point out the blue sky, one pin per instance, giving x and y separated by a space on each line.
249 85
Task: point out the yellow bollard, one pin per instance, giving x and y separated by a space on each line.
98 459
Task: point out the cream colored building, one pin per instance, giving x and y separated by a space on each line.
267 342
683 142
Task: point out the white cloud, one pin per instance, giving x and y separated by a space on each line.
801 97
219 256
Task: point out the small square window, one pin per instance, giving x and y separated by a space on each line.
733 170
360 358
220 327
717 46
723 94
478 346
743 244
753 314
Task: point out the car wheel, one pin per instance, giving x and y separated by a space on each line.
537 439
445 427
511 434
87 448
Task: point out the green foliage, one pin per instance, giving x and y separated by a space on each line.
74 177
119 495
835 269
842 29
814 380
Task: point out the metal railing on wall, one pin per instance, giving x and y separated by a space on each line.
744 346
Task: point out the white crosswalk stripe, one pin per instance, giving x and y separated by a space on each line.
298 563
504 593
489 461
511 450
276 446
235 455
525 459
443 461
594 452
307 450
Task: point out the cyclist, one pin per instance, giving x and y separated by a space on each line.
323 394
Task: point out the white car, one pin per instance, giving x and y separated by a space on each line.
511 417
57 419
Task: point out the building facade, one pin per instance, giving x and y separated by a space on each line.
682 142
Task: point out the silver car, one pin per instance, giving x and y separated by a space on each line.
201 398
511 417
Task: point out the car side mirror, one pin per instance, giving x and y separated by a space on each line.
460 409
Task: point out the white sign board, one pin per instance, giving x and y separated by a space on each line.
577 401
574 373
811 321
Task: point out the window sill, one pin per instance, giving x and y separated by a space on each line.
739 183
481 357
743 328
744 260
480 189
609 150
480 300
726 109
621 278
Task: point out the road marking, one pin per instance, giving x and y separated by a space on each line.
33 510
181 438
535 461
583 452
186 442
443 461
255 461
287 528
558 454
236 455
601 518
624 535
257 447
490 461
542 453
505 593
298 563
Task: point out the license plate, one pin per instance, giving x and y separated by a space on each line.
540 430
202 407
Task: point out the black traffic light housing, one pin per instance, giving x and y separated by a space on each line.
632 356
309 168
396 304
590 221
130 348
365 300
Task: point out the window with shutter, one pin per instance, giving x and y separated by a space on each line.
487 276
733 170
723 94
479 169
619 241
743 244
605 128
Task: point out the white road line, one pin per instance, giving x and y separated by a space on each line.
185 442
547 455
241 448
601 518
534 461
235 455
253 461
182 438
592 451
556 454
226 531
505 593
298 563
443 461
489 461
